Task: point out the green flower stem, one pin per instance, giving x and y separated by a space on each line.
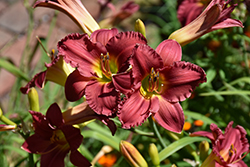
176 137
5 119
156 132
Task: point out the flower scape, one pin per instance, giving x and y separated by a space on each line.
131 83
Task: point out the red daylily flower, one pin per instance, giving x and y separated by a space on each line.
215 16
54 140
227 148
163 81
57 71
75 10
102 67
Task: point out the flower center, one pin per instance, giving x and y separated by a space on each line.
231 152
108 67
58 137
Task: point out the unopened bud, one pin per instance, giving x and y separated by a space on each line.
140 27
132 155
204 148
154 155
33 99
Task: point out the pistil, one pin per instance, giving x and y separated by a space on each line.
153 82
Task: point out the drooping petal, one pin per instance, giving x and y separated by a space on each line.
120 47
103 35
170 51
136 110
180 79
81 52
204 134
31 144
73 136
226 23
54 115
38 80
170 116
78 159
75 86
102 97
144 59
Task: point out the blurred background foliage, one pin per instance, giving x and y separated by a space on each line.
223 54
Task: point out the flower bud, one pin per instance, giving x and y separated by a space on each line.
140 27
132 155
33 99
154 155
204 148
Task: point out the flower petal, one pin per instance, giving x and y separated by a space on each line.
54 158
31 144
180 79
120 47
170 116
54 115
102 97
103 35
80 52
73 136
41 125
38 80
170 51
144 58
136 110
75 86
123 82
78 159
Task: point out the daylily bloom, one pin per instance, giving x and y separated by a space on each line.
54 140
188 10
102 67
162 80
227 148
215 16
75 10
57 71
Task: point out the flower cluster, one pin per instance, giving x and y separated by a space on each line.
119 75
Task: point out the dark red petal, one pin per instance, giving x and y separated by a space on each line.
41 125
135 110
38 80
75 86
103 35
170 51
78 159
144 58
180 79
123 82
54 115
81 52
54 158
170 116
120 47
36 144
102 97
73 136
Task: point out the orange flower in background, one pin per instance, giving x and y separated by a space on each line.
198 122
107 160
187 126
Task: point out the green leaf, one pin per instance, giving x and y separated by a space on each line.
13 69
238 92
113 142
177 145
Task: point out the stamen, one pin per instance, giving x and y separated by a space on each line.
153 82
105 65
